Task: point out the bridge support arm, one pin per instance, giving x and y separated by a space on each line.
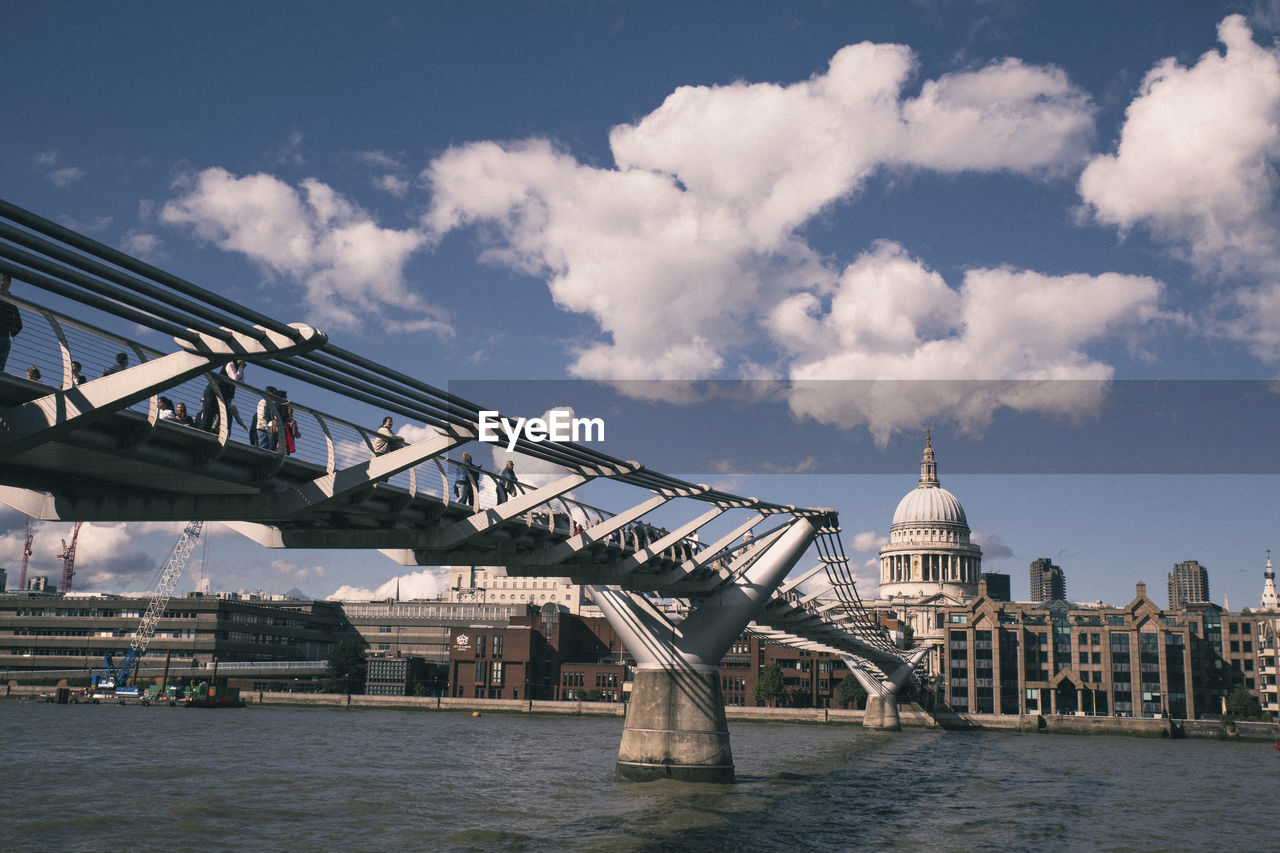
675 725
882 690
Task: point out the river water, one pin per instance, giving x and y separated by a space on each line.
107 777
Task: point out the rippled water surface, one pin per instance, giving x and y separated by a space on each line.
105 777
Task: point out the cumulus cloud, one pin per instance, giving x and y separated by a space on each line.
348 265
290 572
391 174
143 244
993 547
890 318
59 175
1195 166
1195 158
66 176
674 251
868 540
108 556
430 583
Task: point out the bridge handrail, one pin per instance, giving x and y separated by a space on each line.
327 424
52 257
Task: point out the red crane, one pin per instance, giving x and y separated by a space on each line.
26 557
68 558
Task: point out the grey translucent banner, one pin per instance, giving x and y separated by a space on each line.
874 427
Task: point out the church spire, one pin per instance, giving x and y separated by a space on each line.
928 467
1270 600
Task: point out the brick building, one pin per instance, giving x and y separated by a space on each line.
545 654
1063 658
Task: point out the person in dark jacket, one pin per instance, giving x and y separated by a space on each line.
10 321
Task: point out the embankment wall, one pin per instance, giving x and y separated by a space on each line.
912 715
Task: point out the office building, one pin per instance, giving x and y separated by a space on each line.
1061 658
72 634
998 586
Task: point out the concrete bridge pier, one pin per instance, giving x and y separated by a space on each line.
882 713
675 726
882 693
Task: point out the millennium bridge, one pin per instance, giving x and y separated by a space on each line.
74 448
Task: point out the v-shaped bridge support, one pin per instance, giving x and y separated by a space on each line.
882 690
676 726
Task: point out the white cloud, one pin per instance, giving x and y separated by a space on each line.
674 252
393 184
1195 158
868 540
892 318
108 556
143 244
993 547
1196 167
430 583
292 573
349 266
66 176
58 175
1006 117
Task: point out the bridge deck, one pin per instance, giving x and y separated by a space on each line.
98 450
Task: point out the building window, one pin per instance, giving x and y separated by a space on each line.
481 645
497 646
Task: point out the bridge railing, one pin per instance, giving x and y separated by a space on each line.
52 342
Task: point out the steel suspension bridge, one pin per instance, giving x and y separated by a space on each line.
79 449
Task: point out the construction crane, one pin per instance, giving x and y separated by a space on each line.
115 679
26 557
68 558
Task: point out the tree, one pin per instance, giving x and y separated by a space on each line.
769 686
345 670
850 693
908 637
1243 705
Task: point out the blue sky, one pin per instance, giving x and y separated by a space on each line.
1060 194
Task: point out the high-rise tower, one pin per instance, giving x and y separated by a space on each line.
1188 582
1048 583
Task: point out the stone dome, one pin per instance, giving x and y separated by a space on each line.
927 504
